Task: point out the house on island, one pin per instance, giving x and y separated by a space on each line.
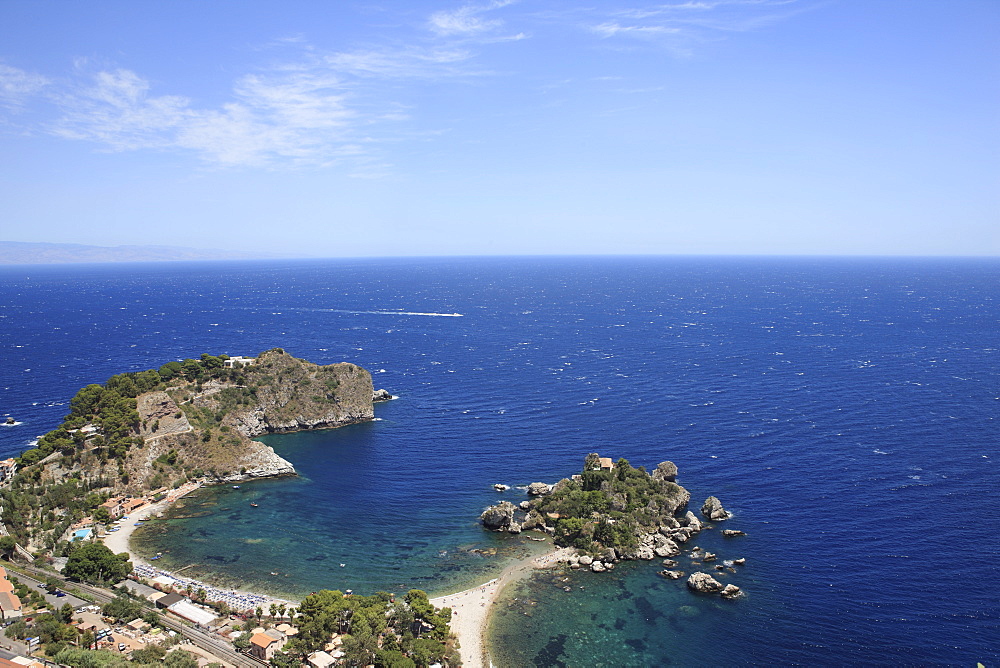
264 645
238 361
607 464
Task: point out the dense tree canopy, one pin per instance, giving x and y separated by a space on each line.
378 630
94 562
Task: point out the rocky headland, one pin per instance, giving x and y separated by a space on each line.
148 432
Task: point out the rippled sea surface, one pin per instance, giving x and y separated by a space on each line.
844 410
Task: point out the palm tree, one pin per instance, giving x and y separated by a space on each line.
274 610
281 610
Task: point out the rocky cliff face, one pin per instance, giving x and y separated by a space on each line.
302 395
210 427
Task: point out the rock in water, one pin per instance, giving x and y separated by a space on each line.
381 395
729 533
539 489
713 510
703 583
672 575
498 517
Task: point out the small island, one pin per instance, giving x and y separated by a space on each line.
612 512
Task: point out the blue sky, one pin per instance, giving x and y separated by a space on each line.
505 127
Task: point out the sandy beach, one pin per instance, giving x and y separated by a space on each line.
118 542
470 608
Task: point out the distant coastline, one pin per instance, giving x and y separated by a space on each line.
24 252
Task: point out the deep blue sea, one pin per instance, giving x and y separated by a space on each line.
845 410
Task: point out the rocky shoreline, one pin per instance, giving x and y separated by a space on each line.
665 537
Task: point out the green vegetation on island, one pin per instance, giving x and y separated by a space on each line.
610 507
607 506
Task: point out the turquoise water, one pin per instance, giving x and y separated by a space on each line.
389 520
844 409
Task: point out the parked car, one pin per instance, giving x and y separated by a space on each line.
121 647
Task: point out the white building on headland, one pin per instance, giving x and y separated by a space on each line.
239 361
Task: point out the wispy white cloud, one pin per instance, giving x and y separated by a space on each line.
611 29
469 20
320 107
316 109
17 86
463 21
298 117
694 19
